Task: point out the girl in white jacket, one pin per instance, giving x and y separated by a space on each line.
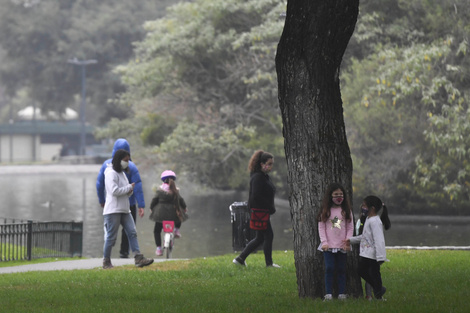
116 209
372 244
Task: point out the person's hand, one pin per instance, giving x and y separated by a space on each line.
347 242
102 205
324 247
141 212
133 184
380 262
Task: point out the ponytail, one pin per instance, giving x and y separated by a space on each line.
171 183
384 218
373 201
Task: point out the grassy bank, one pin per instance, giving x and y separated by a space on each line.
417 281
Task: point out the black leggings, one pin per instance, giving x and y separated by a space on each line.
369 270
157 232
265 236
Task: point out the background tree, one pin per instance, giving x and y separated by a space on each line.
406 77
38 37
310 52
208 65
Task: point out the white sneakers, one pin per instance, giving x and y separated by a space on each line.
329 297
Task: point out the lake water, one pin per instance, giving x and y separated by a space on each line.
68 193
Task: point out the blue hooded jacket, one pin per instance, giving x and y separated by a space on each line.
132 175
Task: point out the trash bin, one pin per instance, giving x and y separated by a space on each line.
242 234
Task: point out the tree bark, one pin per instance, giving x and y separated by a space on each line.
315 36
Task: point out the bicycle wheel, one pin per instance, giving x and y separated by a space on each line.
169 250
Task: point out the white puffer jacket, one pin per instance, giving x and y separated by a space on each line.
118 191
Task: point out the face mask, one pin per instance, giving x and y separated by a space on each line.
338 200
364 211
124 164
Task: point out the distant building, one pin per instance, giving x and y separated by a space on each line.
35 137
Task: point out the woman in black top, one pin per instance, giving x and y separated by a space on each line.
261 197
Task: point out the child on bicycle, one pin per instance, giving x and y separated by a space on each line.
165 206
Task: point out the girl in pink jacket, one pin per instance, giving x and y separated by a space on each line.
335 225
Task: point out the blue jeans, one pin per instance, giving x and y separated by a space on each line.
335 261
124 240
111 227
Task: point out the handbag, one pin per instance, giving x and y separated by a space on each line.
182 214
259 219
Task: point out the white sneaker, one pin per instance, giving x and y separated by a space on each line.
342 297
239 262
274 265
328 297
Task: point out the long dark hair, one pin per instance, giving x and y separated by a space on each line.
257 158
117 158
373 201
171 183
327 203
170 180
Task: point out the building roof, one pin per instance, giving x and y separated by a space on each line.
44 128
30 113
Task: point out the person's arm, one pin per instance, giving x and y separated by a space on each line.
111 180
100 188
350 227
322 233
354 240
138 192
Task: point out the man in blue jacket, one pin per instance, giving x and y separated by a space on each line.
134 177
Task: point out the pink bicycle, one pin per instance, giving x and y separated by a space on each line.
168 238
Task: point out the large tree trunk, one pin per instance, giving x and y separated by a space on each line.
315 36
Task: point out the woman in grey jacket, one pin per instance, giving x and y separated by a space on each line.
116 209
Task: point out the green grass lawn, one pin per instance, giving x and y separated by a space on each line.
417 281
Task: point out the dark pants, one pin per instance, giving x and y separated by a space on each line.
262 236
369 270
124 252
335 261
157 232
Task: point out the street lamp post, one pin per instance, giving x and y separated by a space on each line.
82 64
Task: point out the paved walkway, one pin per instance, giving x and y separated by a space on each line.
67 265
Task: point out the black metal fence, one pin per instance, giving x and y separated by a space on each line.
27 240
